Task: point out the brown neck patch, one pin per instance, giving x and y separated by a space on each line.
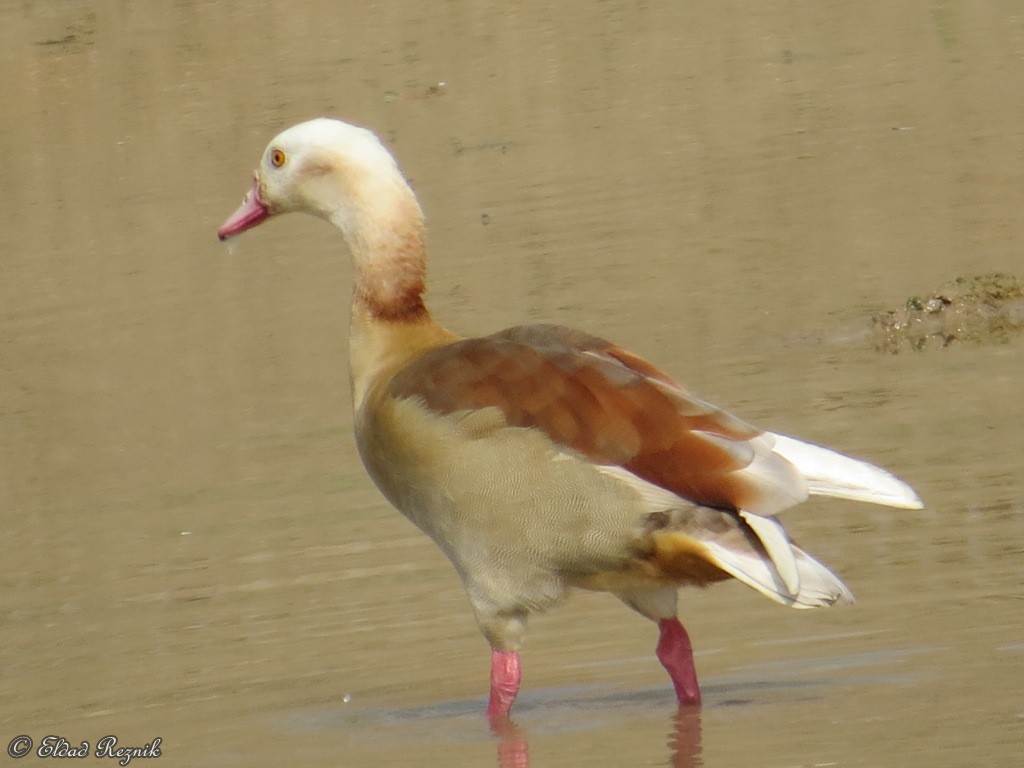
406 307
391 286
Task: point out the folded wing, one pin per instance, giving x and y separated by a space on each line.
619 411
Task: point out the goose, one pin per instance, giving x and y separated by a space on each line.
542 459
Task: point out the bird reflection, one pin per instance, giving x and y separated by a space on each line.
683 741
513 745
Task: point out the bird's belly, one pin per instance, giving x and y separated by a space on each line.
514 513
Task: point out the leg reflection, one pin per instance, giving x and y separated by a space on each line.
513 744
684 739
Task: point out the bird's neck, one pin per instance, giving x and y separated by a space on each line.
385 233
390 324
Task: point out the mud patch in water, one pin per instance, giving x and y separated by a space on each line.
986 309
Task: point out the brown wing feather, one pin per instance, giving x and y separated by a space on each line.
599 400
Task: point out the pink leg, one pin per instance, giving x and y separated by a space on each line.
676 654
505 677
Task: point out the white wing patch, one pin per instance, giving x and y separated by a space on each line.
832 474
819 587
780 551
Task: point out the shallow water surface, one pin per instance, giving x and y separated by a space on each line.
192 550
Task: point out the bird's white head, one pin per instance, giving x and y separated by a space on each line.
325 167
344 174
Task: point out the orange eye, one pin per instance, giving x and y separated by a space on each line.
277 158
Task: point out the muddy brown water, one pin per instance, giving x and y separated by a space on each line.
191 550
